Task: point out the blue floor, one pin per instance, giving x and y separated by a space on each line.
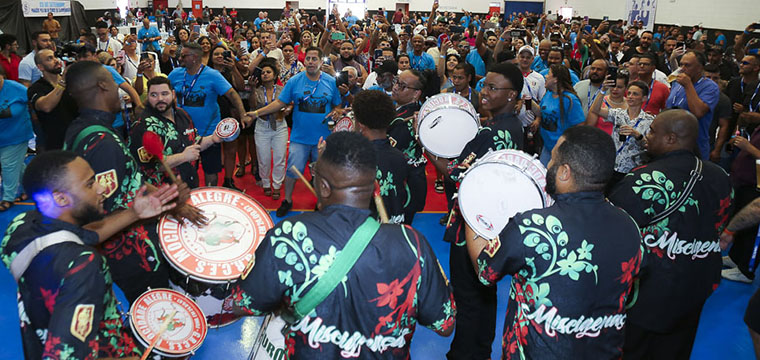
722 333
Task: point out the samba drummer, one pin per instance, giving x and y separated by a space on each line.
476 302
373 110
407 93
66 304
572 264
392 280
175 128
133 255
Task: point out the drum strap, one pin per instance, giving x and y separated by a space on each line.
344 261
24 258
696 175
86 132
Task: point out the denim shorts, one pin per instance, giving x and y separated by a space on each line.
298 154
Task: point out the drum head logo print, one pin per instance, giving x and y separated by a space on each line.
185 331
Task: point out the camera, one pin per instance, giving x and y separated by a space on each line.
68 52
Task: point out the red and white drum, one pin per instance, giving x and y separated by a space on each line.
185 331
497 187
345 123
446 123
210 258
228 129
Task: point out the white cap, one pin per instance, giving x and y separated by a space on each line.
418 29
527 48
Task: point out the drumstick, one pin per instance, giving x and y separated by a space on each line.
379 204
306 182
164 326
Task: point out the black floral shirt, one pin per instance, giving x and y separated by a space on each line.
392 173
133 250
501 133
66 305
682 261
402 135
176 136
572 266
395 283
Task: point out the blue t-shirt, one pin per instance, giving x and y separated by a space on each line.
539 64
480 84
422 62
551 126
709 92
14 114
258 22
312 101
465 21
197 94
719 39
150 32
473 58
118 79
351 20
573 78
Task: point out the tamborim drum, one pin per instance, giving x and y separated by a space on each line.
208 259
186 329
345 123
228 129
498 186
446 123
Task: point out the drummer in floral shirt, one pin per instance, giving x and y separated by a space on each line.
572 264
395 283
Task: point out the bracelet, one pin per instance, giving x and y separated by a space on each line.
256 113
442 56
746 32
602 92
728 232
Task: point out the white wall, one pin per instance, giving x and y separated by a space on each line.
730 14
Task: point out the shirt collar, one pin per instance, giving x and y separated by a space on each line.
88 237
98 115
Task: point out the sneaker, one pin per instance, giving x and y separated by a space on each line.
735 275
439 186
284 208
727 262
230 184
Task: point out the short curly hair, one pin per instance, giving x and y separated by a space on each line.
373 109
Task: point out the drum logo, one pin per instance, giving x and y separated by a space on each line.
174 324
221 230
483 221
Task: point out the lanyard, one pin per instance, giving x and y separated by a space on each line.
130 61
313 90
417 61
469 94
629 136
527 84
651 83
108 42
185 88
591 99
751 109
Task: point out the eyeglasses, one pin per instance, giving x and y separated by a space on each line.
746 63
490 87
645 64
401 86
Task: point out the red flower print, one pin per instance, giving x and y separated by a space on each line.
389 293
49 298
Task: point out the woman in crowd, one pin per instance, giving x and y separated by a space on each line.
629 127
291 64
17 130
130 58
613 100
560 109
446 65
271 132
403 62
306 40
226 66
205 43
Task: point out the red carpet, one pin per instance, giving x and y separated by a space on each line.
304 200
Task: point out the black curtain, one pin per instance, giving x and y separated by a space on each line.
12 21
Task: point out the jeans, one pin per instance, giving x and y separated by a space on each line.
272 142
12 161
298 155
546 156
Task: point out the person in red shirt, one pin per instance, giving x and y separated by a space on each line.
234 13
8 57
658 92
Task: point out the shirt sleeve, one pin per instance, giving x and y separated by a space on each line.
115 75
286 95
575 111
624 197
25 71
220 84
34 93
710 95
436 307
504 255
78 309
106 158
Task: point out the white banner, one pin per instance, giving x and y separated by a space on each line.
641 10
40 8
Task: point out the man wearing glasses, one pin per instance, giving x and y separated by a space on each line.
658 92
476 303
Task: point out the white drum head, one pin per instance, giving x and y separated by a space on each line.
185 331
444 132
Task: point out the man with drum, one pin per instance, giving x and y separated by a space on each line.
175 129
395 277
133 255
477 302
681 204
407 92
373 111
66 304
572 264
317 99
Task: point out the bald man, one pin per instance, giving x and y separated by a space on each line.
418 58
680 235
540 63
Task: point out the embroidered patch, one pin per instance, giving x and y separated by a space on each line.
392 141
492 246
109 181
81 322
144 155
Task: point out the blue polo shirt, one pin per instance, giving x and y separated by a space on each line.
422 62
709 92
150 32
539 64
197 94
312 101
14 114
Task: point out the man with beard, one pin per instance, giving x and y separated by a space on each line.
347 58
66 303
663 61
407 93
681 205
540 62
644 46
175 129
586 279
419 59
590 88
476 303
317 99
133 255
28 72
55 108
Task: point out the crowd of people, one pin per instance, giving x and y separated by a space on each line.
661 123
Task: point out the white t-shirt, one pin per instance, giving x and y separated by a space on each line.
587 93
112 46
535 85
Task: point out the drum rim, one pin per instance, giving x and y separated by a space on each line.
545 198
146 344
183 272
422 142
230 120
448 95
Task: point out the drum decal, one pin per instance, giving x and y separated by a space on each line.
185 331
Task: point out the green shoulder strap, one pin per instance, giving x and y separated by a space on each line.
86 132
343 263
